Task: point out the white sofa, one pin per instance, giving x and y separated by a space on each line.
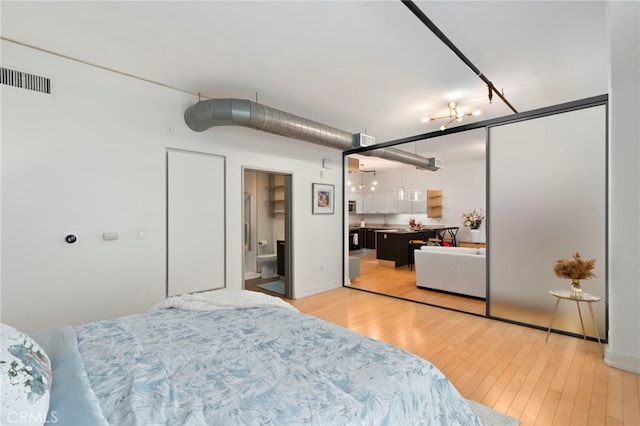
458 270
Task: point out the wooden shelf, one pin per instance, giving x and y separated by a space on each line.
434 203
275 195
353 165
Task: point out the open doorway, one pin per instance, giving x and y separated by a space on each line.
267 232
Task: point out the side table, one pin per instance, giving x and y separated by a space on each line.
586 297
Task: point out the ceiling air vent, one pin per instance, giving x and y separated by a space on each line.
25 80
360 139
435 164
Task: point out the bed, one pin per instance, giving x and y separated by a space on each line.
238 357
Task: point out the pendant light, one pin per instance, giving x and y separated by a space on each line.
415 193
399 193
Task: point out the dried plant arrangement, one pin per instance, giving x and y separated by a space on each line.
575 268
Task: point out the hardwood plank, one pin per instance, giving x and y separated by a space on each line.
581 400
533 374
598 408
614 398
505 366
511 390
631 399
536 410
568 395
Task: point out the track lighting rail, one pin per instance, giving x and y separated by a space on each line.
435 30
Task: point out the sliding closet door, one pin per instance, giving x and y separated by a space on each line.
195 222
547 200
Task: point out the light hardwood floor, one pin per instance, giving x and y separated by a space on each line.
504 366
401 282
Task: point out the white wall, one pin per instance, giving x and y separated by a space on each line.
91 159
623 350
463 188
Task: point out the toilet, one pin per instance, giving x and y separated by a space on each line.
267 265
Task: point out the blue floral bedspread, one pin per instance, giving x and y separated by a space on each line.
258 365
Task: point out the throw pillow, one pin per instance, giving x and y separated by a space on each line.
25 376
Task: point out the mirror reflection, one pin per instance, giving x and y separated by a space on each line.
419 234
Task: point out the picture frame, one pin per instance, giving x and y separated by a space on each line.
323 198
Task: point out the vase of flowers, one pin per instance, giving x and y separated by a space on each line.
575 269
472 221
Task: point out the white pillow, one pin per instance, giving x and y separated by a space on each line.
25 375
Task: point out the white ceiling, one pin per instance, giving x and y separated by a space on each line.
361 66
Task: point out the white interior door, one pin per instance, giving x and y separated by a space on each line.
195 222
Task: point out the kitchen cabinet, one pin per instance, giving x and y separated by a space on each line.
378 203
418 207
367 203
370 238
390 203
386 203
404 206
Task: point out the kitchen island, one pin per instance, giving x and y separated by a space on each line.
392 245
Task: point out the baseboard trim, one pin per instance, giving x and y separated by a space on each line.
622 362
310 291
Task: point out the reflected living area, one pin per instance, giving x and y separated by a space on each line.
395 208
408 232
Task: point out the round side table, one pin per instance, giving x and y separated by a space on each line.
586 297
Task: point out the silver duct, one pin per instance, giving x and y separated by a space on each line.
242 112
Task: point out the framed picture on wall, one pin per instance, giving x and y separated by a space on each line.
322 198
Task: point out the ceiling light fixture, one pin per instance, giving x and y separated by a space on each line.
455 114
415 193
399 193
362 186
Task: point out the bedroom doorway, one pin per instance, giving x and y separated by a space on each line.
266 234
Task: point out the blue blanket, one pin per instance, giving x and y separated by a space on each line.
258 365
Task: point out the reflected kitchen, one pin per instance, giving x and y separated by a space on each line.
408 236
391 203
393 244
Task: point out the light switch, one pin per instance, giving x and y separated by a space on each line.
140 233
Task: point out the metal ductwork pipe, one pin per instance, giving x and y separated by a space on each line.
242 112
405 157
